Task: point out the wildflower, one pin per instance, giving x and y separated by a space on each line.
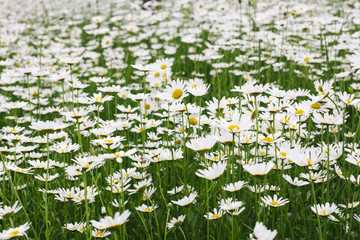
111 222
176 221
327 119
353 159
251 89
100 234
75 226
325 209
230 205
15 232
214 215
355 60
259 168
175 92
296 181
305 157
48 126
202 144
175 190
262 233
46 178
233 187
186 200
197 89
97 98
7 211
213 172
145 208
350 205
237 123
274 201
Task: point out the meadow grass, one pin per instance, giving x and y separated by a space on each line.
180 120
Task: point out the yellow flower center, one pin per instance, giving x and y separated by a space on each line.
99 234
215 216
268 139
232 127
14 233
148 209
348 101
306 59
177 93
283 154
107 42
157 74
315 106
299 112
309 161
274 203
163 67
147 106
193 121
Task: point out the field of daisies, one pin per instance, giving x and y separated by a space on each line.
179 119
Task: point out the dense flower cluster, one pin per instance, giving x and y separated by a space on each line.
179 118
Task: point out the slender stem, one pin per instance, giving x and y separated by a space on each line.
318 217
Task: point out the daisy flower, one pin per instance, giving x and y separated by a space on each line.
262 233
7 211
305 157
237 123
176 221
112 222
355 60
251 89
214 215
229 205
48 126
15 232
233 187
213 172
259 168
350 205
185 200
100 234
97 98
197 90
145 208
327 119
75 226
296 182
46 178
325 209
175 190
176 91
274 201
353 159
202 144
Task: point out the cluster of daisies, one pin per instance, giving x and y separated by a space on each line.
146 119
